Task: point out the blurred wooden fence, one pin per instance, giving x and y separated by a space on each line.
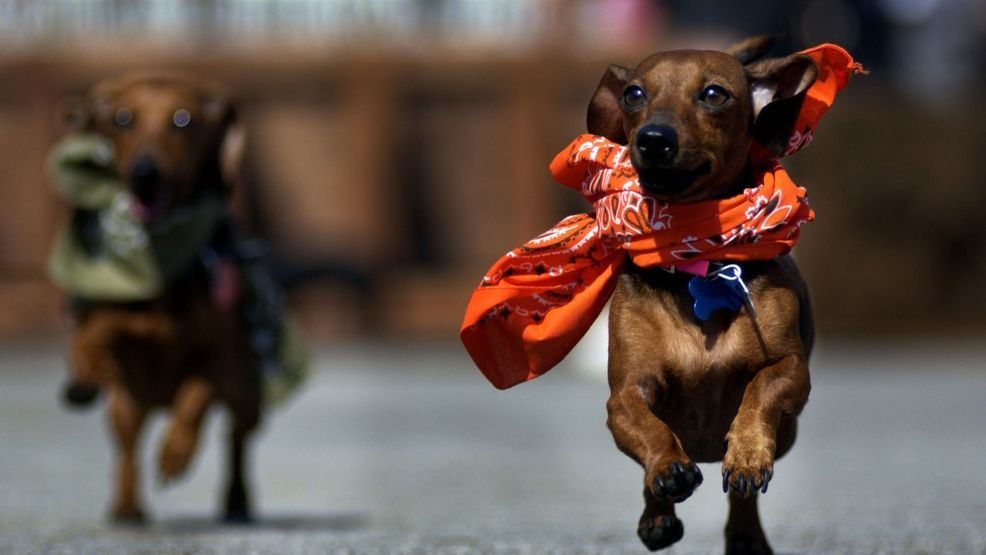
419 162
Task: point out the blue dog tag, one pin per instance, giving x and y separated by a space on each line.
723 288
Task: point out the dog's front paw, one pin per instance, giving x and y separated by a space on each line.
746 469
80 394
176 453
660 532
674 482
128 515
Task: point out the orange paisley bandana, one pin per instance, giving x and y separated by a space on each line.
537 301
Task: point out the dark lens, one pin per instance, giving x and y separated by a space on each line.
123 116
714 95
633 96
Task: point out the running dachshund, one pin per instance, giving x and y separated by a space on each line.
174 142
730 388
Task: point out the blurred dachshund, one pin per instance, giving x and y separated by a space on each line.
169 147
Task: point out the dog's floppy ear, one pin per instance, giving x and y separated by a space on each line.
100 100
605 115
72 114
777 90
752 49
232 143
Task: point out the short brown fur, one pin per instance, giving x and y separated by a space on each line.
728 389
179 351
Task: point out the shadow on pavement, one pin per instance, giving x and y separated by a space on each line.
329 522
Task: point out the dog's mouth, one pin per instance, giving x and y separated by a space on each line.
669 182
149 207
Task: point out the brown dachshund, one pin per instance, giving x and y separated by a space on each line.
730 388
175 141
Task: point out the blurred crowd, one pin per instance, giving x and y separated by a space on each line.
919 40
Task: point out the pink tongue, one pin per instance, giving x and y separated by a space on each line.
225 284
140 210
144 212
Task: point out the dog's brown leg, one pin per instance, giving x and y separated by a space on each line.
777 391
670 475
191 402
668 471
126 418
92 364
744 534
87 353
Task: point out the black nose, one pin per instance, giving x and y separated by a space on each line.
144 178
657 144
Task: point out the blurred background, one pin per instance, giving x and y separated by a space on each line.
398 147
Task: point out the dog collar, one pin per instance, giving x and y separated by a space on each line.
695 268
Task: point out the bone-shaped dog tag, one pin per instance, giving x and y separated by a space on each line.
723 288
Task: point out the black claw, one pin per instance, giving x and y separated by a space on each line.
682 478
743 486
680 482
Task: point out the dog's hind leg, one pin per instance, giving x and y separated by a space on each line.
126 418
744 534
658 527
238 509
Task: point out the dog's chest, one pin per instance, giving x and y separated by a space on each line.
696 350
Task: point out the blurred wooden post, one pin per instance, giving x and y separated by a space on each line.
370 107
528 190
28 213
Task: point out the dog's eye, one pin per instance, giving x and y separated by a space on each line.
634 96
181 118
714 95
123 116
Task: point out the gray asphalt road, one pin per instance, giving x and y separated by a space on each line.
408 450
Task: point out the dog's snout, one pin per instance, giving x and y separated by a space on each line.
657 144
144 176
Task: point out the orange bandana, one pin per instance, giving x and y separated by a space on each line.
536 302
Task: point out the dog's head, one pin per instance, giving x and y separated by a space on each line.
689 116
174 138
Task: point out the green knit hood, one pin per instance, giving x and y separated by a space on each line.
134 260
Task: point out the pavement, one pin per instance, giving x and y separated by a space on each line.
406 449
